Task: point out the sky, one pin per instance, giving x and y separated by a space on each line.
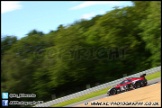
18 18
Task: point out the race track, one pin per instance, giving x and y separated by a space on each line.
145 96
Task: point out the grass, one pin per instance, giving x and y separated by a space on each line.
97 93
153 76
81 98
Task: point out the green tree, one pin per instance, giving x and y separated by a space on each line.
7 42
151 34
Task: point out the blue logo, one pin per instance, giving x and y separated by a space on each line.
5 95
4 102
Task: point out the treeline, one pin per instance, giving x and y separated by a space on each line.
122 41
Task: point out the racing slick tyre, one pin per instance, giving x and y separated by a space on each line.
112 92
137 85
145 83
130 87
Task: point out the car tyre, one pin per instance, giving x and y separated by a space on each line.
137 85
113 92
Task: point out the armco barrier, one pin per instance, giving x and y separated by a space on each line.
96 88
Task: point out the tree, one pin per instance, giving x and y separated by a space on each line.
151 34
7 42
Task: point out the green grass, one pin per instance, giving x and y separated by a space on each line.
97 93
154 75
81 98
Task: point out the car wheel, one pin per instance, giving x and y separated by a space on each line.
145 83
137 85
130 87
113 91
142 84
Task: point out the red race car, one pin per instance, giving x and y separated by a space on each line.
128 84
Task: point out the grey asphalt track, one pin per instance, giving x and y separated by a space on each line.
105 95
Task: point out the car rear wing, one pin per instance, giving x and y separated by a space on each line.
143 75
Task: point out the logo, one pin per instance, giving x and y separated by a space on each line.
4 102
5 95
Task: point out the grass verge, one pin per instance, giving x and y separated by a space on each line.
97 93
153 76
81 98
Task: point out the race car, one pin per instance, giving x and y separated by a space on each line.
128 84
